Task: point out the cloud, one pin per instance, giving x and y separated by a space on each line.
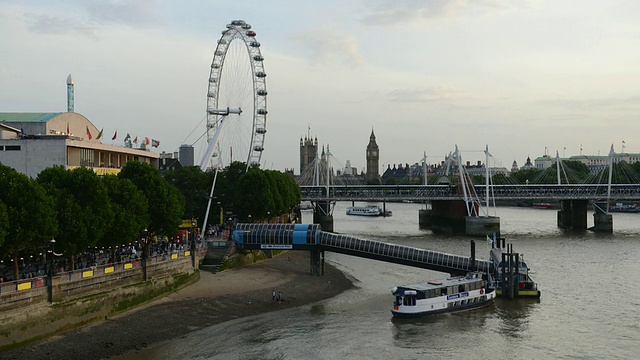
131 12
390 12
87 17
59 25
326 46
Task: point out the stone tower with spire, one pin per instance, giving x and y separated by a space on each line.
308 151
373 159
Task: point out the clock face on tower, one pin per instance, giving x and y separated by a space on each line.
374 153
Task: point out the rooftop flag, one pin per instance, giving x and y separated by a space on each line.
115 135
155 143
127 137
99 135
89 133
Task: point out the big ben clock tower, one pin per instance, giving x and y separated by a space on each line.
373 157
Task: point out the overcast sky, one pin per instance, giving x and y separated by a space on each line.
519 76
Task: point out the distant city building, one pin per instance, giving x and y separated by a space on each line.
373 159
594 162
186 156
349 170
514 166
32 142
396 175
169 162
308 152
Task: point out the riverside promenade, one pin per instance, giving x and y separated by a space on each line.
214 299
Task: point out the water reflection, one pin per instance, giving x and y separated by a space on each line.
437 329
515 315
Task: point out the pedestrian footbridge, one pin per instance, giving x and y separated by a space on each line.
308 237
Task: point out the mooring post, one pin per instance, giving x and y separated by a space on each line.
504 274
322 254
473 255
517 282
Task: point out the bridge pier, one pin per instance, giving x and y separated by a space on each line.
322 215
450 216
573 214
316 262
602 221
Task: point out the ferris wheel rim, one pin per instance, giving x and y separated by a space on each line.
238 30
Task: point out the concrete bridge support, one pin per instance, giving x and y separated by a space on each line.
322 215
573 214
445 216
450 216
482 226
602 221
316 262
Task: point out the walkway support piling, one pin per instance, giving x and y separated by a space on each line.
573 214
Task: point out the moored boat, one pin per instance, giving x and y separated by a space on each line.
620 207
440 296
369 210
543 205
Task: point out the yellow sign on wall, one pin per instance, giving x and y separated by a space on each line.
174 256
24 286
128 266
86 274
108 270
187 253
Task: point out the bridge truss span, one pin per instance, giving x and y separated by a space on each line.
400 254
444 192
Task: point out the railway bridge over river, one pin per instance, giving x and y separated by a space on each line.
454 209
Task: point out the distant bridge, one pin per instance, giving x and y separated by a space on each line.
421 193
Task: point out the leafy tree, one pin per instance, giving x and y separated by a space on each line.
130 212
276 186
83 207
525 176
31 217
253 195
293 193
195 186
4 223
166 203
580 171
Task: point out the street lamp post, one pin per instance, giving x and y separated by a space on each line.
193 242
144 241
52 244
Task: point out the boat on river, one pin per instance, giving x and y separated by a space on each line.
628 208
369 210
439 296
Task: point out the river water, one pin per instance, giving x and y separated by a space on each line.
589 307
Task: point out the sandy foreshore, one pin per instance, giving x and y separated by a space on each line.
214 299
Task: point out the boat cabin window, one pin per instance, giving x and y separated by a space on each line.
409 300
461 288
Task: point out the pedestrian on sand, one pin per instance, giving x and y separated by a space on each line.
273 294
279 296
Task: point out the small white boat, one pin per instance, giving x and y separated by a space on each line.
370 210
439 296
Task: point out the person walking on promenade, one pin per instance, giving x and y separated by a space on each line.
273 294
279 296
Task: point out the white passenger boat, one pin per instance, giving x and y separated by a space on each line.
370 210
439 296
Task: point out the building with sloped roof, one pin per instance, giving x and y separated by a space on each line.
31 142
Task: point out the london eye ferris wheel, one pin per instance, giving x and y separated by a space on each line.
236 99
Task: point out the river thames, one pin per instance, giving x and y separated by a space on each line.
588 309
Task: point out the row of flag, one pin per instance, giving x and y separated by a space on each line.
146 140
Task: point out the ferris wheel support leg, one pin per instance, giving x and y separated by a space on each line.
206 215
